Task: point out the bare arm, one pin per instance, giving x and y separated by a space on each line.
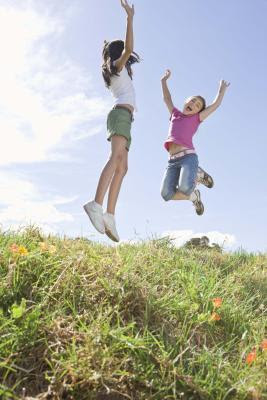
165 91
129 40
217 101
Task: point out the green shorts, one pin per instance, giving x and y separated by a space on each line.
119 122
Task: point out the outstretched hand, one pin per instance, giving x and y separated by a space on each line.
223 86
166 75
129 10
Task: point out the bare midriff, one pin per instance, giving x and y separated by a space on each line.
175 148
130 108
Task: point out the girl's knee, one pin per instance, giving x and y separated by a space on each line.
187 188
122 169
116 157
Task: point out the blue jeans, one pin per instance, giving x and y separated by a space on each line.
180 176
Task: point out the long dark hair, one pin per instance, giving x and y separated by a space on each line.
111 52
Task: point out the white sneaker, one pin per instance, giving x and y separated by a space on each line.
95 213
110 227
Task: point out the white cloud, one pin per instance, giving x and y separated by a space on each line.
22 203
46 104
179 238
43 101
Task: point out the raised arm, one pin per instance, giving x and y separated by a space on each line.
129 40
217 101
165 91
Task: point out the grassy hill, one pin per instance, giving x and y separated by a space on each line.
79 320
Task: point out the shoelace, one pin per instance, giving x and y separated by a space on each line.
202 178
198 205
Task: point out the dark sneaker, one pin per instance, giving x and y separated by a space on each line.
204 178
199 207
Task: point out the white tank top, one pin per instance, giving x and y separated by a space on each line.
122 88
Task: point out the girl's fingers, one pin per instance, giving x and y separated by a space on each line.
127 7
224 84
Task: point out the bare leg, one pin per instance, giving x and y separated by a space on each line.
116 182
118 144
199 207
180 196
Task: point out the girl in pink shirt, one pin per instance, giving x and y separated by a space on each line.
183 172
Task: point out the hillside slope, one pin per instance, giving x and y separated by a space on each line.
79 320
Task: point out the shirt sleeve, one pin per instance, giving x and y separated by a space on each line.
176 112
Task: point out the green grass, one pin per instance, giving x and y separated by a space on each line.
79 320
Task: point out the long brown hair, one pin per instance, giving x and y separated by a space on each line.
111 52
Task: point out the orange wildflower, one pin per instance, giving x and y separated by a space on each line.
14 248
217 302
263 344
215 317
251 357
21 250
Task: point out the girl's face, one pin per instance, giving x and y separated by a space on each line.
192 105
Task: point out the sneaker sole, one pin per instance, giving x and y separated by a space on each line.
200 212
109 234
199 203
100 231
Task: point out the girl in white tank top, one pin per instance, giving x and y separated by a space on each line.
118 56
122 88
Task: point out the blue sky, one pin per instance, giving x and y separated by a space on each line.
53 107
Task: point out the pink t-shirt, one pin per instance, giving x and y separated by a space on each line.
182 129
